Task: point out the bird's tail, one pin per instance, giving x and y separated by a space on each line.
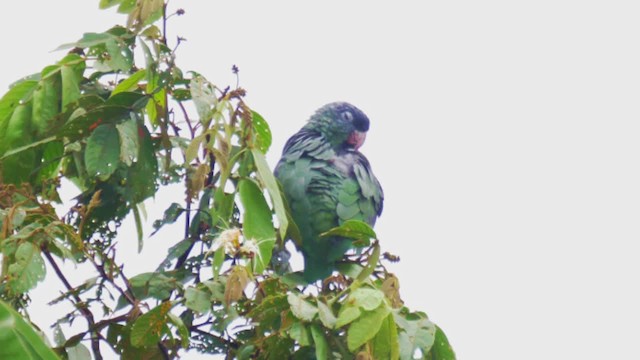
317 268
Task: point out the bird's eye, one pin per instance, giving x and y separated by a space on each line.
347 115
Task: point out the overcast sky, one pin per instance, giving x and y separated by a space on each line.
505 134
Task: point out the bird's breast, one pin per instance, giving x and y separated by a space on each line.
344 162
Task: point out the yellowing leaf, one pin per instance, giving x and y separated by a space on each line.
236 282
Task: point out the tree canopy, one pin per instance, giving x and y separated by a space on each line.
119 119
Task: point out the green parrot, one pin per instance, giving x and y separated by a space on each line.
327 181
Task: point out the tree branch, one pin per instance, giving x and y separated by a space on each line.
79 304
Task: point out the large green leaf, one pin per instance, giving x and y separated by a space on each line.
17 95
131 83
27 270
149 328
46 100
269 181
18 339
366 298
17 168
385 343
353 229
257 223
320 341
102 154
366 327
71 70
441 349
301 308
120 55
416 331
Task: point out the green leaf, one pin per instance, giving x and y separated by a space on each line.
203 96
80 126
133 101
218 260
301 308
105 4
441 349
88 40
142 175
322 347
263 132
368 299
32 145
46 102
28 269
385 343
353 229
326 315
268 314
138 221
175 252
78 352
299 332
183 331
257 223
268 179
347 315
103 152
197 300
17 168
126 6
153 285
18 94
416 332
131 83
170 216
366 327
128 132
18 339
52 154
120 55
71 75
149 328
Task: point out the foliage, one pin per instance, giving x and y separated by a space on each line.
120 128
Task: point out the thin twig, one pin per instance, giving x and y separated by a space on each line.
96 328
80 305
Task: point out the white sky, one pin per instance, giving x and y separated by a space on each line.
505 135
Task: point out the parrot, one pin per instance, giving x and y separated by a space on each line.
326 181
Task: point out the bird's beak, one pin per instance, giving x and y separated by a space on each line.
356 139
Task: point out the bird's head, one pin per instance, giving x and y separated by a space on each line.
342 124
